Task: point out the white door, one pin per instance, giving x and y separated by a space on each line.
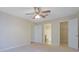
73 33
37 33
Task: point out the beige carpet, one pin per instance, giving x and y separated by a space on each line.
35 47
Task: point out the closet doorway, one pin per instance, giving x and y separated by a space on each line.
64 34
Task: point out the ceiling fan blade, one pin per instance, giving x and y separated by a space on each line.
43 15
29 13
47 11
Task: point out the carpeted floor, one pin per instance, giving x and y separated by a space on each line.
41 48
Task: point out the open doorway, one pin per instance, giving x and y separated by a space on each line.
64 34
47 34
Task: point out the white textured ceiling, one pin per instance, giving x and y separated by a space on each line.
56 12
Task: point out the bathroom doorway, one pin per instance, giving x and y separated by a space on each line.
47 39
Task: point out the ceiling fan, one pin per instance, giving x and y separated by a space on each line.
38 12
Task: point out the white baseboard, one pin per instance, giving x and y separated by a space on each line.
5 49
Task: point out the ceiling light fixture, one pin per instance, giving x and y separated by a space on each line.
37 16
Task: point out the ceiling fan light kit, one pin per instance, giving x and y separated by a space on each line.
37 17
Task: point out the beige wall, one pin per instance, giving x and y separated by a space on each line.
37 33
14 31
